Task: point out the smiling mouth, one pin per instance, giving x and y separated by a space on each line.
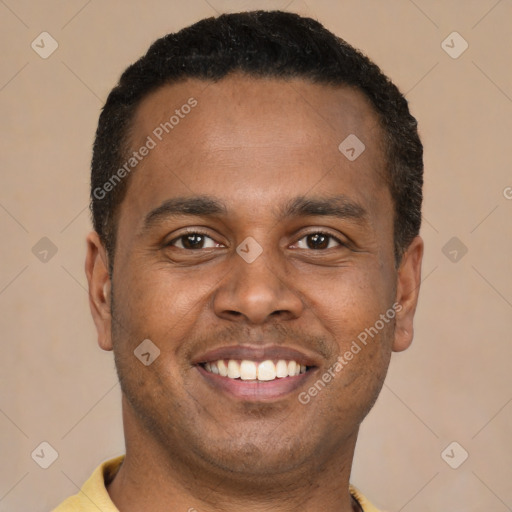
256 371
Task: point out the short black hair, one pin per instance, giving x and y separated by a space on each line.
273 44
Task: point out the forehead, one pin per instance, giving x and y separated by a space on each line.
245 111
255 138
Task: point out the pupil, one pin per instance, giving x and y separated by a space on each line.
319 241
198 240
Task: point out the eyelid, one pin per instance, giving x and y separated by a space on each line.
189 231
202 232
323 231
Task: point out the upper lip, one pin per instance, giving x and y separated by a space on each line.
258 353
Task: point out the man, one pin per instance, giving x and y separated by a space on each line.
256 197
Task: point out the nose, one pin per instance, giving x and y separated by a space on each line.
256 292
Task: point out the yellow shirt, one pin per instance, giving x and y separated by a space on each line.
94 495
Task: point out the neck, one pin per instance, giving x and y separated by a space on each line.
153 477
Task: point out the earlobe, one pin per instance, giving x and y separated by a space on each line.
408 287
96 270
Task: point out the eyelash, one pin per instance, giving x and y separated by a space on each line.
202 233
187 233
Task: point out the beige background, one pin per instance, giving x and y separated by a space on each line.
453 384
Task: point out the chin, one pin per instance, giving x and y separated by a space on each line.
258 451
251 461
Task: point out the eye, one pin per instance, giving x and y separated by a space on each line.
318 240
194 240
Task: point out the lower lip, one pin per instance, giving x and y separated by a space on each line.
255 390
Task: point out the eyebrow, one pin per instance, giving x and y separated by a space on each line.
337 206
205 206
199 206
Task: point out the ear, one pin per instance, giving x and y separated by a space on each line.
96 269
408 288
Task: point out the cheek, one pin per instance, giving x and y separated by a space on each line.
349 300
356 308
157 295
162 305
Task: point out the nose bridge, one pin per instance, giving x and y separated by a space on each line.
257 266
255 286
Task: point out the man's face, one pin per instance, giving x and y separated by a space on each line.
265 153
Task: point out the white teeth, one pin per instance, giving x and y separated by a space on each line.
247 370
281 369
251 370
266 370
223 369
233 369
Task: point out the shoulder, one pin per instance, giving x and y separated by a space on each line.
365 504
94 495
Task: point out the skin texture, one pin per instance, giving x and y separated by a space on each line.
255 145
